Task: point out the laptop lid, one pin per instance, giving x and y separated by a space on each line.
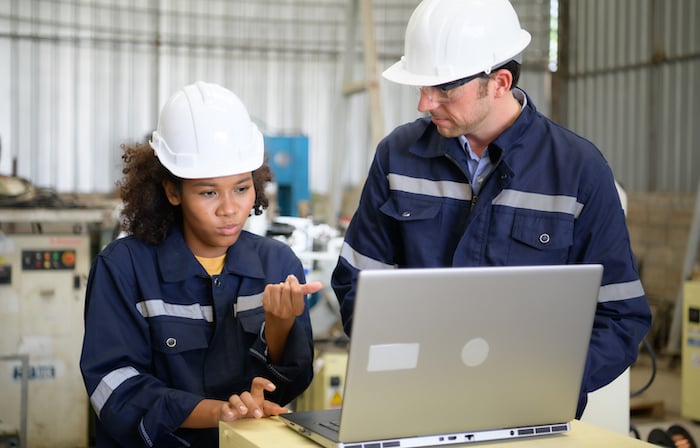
449 350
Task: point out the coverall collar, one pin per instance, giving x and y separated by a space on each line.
176 261
510 137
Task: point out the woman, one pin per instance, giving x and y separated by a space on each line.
189 319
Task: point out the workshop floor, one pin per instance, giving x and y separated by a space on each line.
660 404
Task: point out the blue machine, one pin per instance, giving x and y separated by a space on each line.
289 161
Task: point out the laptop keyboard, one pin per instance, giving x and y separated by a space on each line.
331 424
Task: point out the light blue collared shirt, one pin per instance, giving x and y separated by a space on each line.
479 167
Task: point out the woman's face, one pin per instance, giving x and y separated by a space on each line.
214 211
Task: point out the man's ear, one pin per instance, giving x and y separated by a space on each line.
504 80
172 192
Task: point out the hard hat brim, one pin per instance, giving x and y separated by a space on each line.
206 169
400 74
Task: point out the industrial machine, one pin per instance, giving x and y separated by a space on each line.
43 276
289 162
326 389
690 351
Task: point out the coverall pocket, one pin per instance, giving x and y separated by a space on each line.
427 229
179 347
251 321
174 337
540 239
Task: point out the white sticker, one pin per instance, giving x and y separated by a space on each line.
475 352
386 357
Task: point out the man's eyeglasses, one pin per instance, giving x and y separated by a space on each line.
444 93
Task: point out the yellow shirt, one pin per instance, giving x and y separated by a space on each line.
214 265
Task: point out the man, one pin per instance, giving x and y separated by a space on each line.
485 180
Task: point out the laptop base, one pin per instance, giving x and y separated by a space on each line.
326 437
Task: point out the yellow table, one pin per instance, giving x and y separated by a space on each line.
271 432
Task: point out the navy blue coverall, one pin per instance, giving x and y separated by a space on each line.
550 199
162 335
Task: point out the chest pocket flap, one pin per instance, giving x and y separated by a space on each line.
176 337
409 209
543 232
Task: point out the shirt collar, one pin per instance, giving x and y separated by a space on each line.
468 149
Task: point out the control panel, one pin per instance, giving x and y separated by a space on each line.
48 259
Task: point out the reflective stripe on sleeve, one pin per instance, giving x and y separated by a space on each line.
541 202
359 261
108 384
621 291
441 188
154 308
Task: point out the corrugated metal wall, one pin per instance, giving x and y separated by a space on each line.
80 77
627 80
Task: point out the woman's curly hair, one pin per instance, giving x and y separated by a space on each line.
147 213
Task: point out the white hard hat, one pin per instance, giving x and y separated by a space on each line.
451 39
204 130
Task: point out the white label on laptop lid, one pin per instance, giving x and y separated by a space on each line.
475 352
384 357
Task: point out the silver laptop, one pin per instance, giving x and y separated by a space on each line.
443 356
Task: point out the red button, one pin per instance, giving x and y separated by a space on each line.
68 258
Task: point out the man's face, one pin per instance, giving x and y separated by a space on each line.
459 111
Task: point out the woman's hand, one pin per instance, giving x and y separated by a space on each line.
282 303
285 301
251 404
